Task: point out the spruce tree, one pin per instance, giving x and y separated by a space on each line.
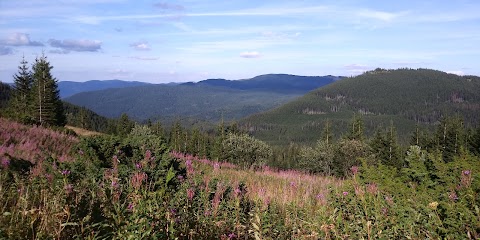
21 100
48 108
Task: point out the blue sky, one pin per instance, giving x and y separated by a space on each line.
190 40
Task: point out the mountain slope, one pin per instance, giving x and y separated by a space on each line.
68 88
404 96
209 100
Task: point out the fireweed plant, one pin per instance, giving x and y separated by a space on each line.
105 187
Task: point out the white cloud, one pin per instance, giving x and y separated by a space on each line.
81 45
253 54
20 39
140 46
457 72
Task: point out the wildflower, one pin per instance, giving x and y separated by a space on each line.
237 192
293 184
138 166
320 196
385 211
389 200
433 205
345 193
114 184
372 188
65 172
466 172
80 152
453 196
68 188
137 179
190 193
5 162
354 170
130 206
49 177
232 236
216 166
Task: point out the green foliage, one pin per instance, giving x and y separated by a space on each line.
348 153
245 150
318 159
386 149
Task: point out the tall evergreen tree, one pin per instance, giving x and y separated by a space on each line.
47 104
357 129
21 100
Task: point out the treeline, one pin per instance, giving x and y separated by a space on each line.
331 155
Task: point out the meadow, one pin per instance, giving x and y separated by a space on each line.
59 186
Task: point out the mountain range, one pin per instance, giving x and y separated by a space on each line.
209 100
69 88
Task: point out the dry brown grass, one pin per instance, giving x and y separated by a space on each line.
83 132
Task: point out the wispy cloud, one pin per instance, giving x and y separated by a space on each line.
81 45
20 39
169 6
141 46
5 50
253 54
144 58
381 15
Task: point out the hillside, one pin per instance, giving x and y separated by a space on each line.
406 97
209 100
68 88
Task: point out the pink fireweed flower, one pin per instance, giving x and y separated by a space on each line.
216 166
345 193
5 162
138 166
372 188
190 193
68 188
293 184
137 179
354 170
232 236
65 172
466 172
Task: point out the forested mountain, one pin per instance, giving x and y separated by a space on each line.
405 97
209 100
281 83
68 88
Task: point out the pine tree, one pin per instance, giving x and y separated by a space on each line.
21 100
48 108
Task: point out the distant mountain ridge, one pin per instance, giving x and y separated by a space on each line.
280 83
209 100
69 88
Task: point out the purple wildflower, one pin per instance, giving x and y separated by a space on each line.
5 162
130 206
466 172
232 236
190 193
138 165
345 193
65 172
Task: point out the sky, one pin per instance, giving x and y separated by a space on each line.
191 40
